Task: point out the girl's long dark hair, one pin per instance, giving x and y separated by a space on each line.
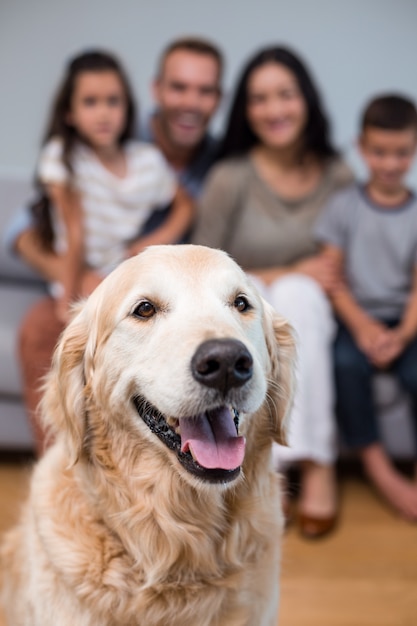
58 126
239 137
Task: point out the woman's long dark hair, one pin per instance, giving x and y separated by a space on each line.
58 126
239 137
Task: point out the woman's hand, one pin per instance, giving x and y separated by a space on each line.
321 268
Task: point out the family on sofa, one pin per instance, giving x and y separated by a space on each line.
336 257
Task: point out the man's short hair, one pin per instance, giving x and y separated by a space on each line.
192 44
390 112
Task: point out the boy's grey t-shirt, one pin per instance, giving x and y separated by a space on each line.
379 245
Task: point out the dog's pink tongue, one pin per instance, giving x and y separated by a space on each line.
213 440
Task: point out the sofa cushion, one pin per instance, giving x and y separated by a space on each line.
394 411
15 302
15 431
15 194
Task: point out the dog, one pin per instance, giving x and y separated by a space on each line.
157 503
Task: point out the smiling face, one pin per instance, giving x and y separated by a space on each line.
187 93
98 108
388 155
276 109
178 349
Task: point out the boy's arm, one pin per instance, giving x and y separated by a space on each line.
343 301
408 326
365 329
177 224
396 339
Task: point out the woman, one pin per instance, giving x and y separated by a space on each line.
260 202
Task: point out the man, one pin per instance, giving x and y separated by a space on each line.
187 93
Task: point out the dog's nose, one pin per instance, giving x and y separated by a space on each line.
222 364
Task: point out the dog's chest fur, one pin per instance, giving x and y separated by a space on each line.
141 567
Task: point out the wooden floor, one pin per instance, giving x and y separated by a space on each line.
363 575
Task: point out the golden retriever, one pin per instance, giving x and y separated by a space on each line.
157 504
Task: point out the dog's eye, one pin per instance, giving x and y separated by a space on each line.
241 304
144 310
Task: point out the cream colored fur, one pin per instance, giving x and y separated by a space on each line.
116 532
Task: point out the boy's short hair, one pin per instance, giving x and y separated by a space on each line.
390 112
192 44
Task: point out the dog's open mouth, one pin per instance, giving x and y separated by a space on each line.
207 445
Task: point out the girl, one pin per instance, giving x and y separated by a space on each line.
103 186
260 204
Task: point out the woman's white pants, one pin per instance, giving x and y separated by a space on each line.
311 429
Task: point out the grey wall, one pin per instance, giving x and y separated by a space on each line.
354 49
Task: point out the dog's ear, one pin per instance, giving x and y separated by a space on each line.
281 349
63 406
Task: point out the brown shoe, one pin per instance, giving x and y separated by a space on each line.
316 527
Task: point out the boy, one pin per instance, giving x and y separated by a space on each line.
370 231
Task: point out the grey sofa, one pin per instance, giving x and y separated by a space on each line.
20 288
